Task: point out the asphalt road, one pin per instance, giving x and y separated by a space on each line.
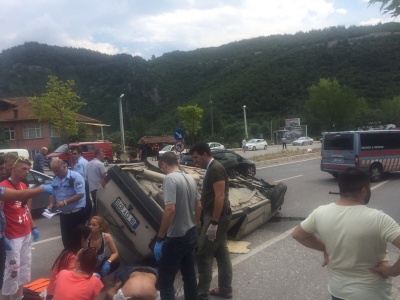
277 267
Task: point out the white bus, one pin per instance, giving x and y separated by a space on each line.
375 151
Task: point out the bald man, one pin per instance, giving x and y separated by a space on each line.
38 162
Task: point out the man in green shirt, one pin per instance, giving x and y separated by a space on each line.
216 216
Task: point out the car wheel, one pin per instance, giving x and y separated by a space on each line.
302 143
265 147
375 172
278 196
254 148
251 171
310 143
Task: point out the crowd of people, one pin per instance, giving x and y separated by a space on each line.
193 231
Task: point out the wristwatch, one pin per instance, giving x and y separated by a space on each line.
213 222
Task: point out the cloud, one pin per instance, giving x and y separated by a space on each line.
156 27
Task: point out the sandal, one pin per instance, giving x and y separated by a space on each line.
216 292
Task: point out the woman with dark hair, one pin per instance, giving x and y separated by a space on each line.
66 259
102 241
80 283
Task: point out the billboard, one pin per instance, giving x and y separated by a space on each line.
292 122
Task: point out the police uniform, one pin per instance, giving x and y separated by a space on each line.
72 214
80 166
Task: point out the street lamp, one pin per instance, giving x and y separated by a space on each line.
212 120
121 124
245 121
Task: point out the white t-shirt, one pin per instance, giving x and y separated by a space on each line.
355 238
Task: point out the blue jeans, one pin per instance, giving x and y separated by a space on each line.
178 253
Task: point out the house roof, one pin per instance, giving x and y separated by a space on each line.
20 109
157 140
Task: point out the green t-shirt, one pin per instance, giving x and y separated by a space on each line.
215 172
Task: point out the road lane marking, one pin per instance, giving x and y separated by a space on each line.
288 163
379 184
287 178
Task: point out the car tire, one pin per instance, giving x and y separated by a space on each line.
251 171
277 196
302 143
265 147
310 143
254 148
375 172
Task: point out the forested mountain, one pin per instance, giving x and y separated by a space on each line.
270 75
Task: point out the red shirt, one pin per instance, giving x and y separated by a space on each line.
18 222
71 286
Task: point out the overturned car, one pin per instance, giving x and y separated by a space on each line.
132 204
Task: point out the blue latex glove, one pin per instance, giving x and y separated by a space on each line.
7 243
105 269
48 189
157 250
35 234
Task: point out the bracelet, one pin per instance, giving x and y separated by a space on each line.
65 203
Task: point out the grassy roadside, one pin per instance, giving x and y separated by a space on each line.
284 153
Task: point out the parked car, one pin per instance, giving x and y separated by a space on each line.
256 144
167 148
17 152
245 166
304 140
35 179
63 152
214 145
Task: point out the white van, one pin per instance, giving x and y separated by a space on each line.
17 152
374 151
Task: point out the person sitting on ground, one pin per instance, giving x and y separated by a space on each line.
80 283
107 252
134 282
66 259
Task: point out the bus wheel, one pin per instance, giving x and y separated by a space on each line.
375 172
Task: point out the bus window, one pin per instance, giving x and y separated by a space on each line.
338 142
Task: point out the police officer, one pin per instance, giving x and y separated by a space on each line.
80 166
68 197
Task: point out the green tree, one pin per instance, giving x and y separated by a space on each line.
58 106
388 6
3 141
190 117
391 111
331 106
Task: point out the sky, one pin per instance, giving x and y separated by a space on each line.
154 27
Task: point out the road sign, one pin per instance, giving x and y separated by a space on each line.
179 135
179 146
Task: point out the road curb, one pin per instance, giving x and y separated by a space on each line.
286 159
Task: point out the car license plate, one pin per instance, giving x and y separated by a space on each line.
127 217
338 160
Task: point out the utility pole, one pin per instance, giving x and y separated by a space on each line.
245 122
121 124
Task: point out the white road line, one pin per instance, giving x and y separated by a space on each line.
258 249
287 178
46 240
288 163
379 184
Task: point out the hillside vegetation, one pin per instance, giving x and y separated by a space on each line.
270 75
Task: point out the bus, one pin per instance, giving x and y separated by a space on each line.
375 152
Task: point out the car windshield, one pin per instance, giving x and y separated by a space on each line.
61 149
302 138
252 141
167 148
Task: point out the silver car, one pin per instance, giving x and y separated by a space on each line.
35 179
214 145
304 140
256 144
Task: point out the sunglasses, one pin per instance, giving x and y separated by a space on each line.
75 153
22 159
